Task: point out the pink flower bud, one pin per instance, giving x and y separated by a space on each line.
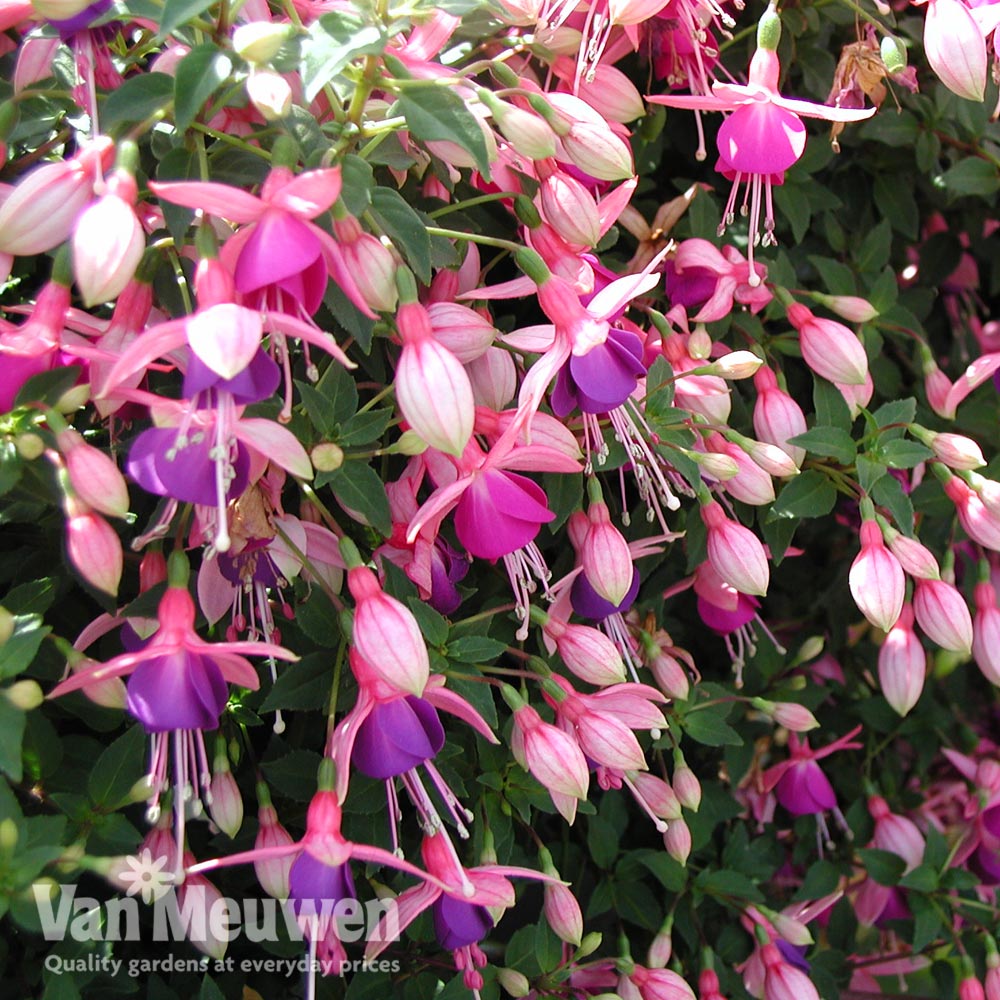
988 490
550 754
916 560
735 552
657 794
902 664
736 365
670 676
777 417
108 242
957 451
109 693
895 833
986 633
849 307
93 547
529 134
386 634
209 913
709 987
466 333
94 476
978 521
225 804
611 94
660 950
569 209
857 396
751 484
588 653
270 93
782 980
562 911
660 984
793 716
370 262
493 378
272 873
937 386
39 213
687 788
592 147
876 580
971 988
606 557
432 387
944 616
992 983
677 840
955 48
772 459
829 348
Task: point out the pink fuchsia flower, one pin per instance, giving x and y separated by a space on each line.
829 348
735 552
955 47
178 689
900 836
764 134
642 983
902 664
986 632
801 786
776 416
700 275
877 583
944 616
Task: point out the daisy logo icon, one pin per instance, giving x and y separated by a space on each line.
147 876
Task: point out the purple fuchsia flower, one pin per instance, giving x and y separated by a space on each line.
390 733
460 900
800 785
178 688
763 136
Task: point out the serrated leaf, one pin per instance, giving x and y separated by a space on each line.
870 471
319 408
359 487
809 494
333 41
830 442
433 625
475 649
405 228
365 427
199 75
903 453
118 768
896 411
357 183
438 114
659 389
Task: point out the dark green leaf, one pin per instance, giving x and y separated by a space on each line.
294 775
729 885
888 493
433 625
708 727
47 387
903 453
19 650
199 75
439 114
365 427
831 410
118 768
831 442
357 183
359 487
137 99
972 175
405 228
179 12
304 686
11 734
897 411
884 867
809 494
475 649
870 471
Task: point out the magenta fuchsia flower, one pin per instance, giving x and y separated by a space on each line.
698 275
178 688
763 136
801 786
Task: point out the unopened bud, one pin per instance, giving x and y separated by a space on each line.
410 443
590 943
733 366
73 399
24 695
327 456
29 446
7 624
259 41
893 53
515 983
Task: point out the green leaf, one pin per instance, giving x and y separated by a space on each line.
809 494
17 653
303 686
923 878
357 183
438 114
433 626
365 427
671 875
479 696
318 619
602 842
972 175
179 12
927 925
118 768
47 387
729 885
831 442
294 775
902 453
359 487
334 40
137 99
319 408
888 493
405 228
475 649
821 879
199 75
870 471
884 293
659 389
873 254
897 204
884 867
794 205
897 411
831 410
11 735
709 727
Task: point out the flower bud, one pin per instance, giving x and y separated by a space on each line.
93 547
944 616
569 209
777 417
493 378
23 695
208 910
662 946
94 476
562 911
893 53
986 633
225 804
956 451
327 456
686 787
272 873
735 552
588 653
955 48
29 446
270 93
597 151
793 716
7 625
528 133
670 676
829 348
605 556
677 840
260 41
466 333
849 307
902 664
916 560
515 983
736 365
876 579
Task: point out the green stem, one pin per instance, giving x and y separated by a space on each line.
489 241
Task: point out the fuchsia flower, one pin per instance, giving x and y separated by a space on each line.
800 785
763 136
178 689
